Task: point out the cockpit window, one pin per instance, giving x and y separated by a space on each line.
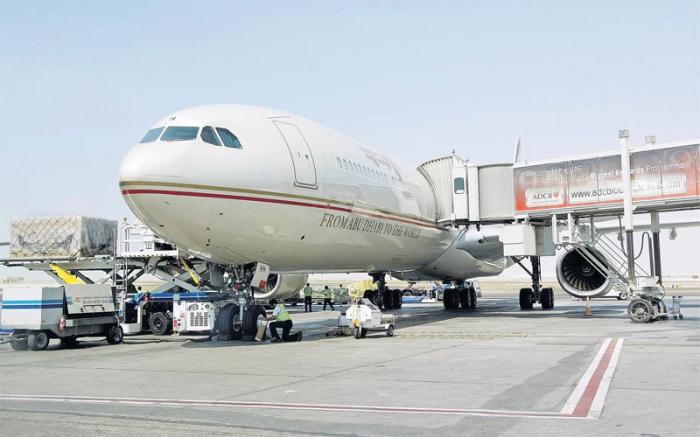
228 138
180 133
209 136
152 135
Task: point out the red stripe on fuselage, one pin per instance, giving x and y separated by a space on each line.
266 200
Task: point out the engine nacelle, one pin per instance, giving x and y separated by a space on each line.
578 277
282 286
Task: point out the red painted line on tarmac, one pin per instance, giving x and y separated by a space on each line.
584 404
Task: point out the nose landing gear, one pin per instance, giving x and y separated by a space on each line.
530 296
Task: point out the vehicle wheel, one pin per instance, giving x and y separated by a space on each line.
159 323
390 331
38 341
639 311
69 342
398 299
388 299
407 293
525 298
115 334
357 332
250 319
19 345
472 297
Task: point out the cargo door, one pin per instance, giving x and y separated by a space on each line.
303 161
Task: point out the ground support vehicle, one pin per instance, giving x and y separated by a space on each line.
38 314
363 317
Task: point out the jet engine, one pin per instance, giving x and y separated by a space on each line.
578 277
282 286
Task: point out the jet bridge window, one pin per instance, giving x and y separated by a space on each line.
180 133
152 135
209 136
459 185
228 138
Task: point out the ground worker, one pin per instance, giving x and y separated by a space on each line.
281 319
308 293
328 298
341 293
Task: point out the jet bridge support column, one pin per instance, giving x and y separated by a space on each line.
656 246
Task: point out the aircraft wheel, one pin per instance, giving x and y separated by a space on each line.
236 323
388 299
547 298
450 299
250 319
397 298
526 298
463 296
639 311
38 341
472 297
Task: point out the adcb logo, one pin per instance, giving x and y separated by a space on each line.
544 196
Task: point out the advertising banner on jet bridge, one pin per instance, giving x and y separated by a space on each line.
663 173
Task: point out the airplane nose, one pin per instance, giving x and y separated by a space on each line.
152 162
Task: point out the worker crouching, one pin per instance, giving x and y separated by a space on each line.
280 318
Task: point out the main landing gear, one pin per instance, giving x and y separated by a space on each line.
530 296
383 297
459 295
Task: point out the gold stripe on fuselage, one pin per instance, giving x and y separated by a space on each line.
273 194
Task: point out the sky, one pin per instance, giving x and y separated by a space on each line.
81 81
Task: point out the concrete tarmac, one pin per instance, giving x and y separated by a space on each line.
493 371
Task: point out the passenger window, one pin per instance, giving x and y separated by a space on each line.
180 133
228 138
152 135
209 136
459 185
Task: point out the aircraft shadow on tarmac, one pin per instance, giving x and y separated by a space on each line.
414 315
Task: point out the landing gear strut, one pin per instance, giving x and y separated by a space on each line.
529 296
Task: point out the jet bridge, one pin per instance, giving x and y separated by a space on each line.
560 203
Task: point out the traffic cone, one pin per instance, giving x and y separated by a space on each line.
588 312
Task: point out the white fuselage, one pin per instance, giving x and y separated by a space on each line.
296 196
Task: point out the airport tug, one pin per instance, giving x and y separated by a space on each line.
363 317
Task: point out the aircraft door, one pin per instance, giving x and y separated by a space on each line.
302 159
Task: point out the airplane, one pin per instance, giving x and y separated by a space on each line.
237 185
